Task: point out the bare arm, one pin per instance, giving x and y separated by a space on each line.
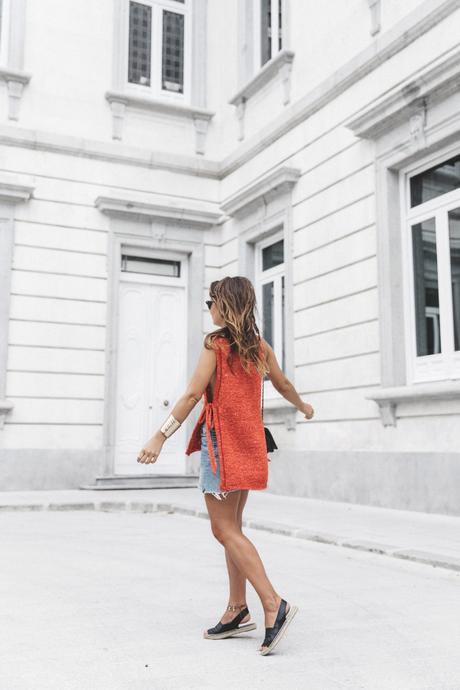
197 385
282 384
181 410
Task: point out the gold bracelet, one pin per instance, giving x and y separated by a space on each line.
170 426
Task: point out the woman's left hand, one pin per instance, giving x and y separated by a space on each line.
151 450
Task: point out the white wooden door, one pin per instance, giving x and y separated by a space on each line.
151 369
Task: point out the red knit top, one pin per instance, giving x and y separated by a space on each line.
236 417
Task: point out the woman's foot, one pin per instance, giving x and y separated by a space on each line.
231 623
276 621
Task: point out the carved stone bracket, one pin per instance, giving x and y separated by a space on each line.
15 81
375 7
5 407
417 124
201 129
240 113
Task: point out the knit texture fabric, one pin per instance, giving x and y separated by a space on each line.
236 417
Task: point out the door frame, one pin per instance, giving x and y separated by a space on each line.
192 254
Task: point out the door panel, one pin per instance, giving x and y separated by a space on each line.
150 374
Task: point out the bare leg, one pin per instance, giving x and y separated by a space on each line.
237 581
242 552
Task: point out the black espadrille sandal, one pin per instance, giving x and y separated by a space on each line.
274 634
221 630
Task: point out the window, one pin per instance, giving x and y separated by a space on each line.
268 30
270 290
152 266
433 250
158 47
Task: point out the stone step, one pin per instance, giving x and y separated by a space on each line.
143 481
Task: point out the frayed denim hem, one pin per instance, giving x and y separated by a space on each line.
219 495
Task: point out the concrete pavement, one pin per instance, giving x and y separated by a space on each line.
424 537
95 600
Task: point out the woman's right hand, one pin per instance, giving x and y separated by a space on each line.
307 410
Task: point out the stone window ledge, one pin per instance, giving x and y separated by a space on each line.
388 398
120 100
280 64
16 188
280 410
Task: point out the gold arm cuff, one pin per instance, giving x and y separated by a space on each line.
170 426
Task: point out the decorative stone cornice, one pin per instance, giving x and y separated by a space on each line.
409 101
182 210
279 181
388 398
120 100
15 188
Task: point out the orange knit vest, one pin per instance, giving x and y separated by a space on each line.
236 417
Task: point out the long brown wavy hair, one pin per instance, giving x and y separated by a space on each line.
235 300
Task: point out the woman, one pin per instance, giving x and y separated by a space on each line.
231 436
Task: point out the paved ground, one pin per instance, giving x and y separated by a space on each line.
95 600
429 538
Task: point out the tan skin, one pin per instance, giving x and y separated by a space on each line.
243 560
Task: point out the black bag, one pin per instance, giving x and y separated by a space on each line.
270 441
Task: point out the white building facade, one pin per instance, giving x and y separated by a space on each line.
148 148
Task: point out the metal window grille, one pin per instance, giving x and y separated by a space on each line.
150 265
140 43
173 52
265 30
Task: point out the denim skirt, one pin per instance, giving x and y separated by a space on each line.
208 481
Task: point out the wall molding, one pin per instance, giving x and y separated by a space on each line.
108 152
14 189
204 214
274 183
408 102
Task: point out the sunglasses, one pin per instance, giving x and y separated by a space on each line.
209 302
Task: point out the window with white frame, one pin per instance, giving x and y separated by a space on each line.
158 47
270 289
268 26
432 249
